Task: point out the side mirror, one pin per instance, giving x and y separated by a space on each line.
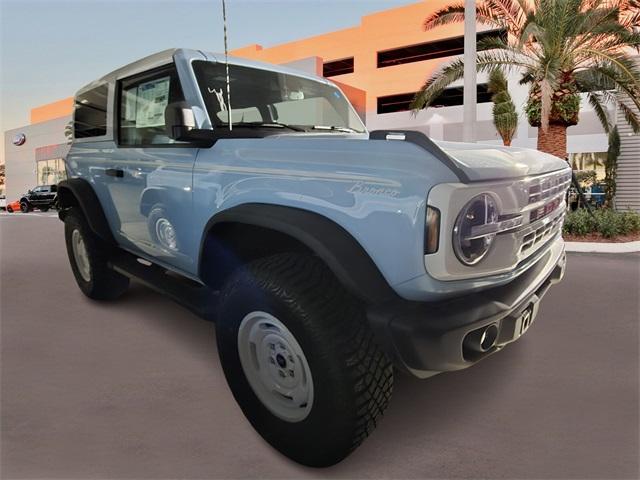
181 125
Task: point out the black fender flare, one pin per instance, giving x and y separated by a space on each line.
341 252
78 192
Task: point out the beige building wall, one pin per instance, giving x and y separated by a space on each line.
21 168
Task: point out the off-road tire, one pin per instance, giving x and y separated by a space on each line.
104 283
25 207
352 377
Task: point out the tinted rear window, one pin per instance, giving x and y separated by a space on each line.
90 113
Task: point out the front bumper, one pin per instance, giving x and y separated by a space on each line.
426 338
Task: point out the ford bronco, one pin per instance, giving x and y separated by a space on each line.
327 256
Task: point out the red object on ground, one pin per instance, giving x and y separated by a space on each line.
13 206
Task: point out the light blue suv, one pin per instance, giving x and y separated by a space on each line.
326 255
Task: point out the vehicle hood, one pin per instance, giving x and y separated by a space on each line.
479 162
490 162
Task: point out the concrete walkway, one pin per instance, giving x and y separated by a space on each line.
599 247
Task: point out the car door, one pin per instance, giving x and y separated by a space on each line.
35 197
47 194
149 178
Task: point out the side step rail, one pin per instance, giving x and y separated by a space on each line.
200 299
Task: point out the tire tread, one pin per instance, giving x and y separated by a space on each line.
304 279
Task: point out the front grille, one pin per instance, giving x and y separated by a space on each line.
548 186
544 211
541 233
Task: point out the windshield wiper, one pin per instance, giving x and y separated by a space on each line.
295 128
334 128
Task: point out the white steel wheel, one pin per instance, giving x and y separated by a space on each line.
80 255
275 366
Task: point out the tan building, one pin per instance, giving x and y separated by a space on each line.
34 154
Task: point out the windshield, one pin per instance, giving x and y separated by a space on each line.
267 98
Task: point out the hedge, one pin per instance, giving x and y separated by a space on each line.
609 223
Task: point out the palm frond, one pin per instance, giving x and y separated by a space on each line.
453 13
596 101
559 47
454 71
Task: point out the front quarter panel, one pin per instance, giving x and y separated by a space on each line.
376 190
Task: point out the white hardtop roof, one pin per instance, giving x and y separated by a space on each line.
167 56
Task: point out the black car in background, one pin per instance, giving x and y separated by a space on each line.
42 197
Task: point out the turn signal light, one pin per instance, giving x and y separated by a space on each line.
432 230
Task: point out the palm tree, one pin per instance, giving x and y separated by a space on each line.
505 117
561 48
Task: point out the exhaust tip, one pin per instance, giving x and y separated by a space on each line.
488 337
481 340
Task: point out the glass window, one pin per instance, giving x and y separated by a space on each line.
337 67
263 96
450 97
143 101
445 47
50 172
90 113
589 162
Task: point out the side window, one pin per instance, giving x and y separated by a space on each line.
90 113
143 100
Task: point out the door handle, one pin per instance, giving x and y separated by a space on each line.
114 172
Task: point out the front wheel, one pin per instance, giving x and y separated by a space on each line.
25 207
300 358
9 209
88 256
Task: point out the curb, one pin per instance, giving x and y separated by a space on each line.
598 247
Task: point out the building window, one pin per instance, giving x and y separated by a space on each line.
429 50
337 67
90 113
50 172
450 97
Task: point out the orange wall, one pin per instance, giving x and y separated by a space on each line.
379 31
58 109
397 27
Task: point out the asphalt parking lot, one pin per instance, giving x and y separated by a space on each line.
134 389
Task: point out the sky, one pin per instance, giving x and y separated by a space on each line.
50 48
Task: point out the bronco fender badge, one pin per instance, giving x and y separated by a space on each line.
369 189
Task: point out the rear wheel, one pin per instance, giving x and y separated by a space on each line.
88 256
300 358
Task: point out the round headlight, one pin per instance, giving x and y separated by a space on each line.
472 233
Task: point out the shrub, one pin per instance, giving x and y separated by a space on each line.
607 222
